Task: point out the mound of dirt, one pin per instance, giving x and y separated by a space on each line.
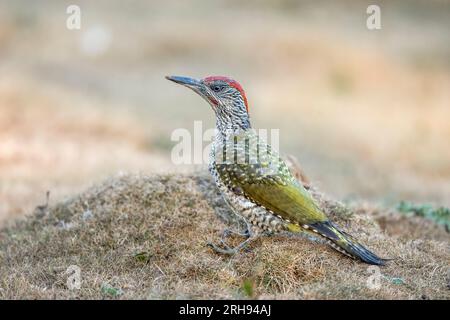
137 236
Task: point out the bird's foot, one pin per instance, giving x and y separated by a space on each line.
226 249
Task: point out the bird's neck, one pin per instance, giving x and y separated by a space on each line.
232 117
226 128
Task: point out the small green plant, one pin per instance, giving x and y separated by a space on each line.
142 257
247 288
440 215
397 281
111 291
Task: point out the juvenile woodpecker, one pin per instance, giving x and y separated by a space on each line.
255 181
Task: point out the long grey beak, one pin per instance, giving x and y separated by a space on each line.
186 81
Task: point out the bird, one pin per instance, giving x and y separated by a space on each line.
254 180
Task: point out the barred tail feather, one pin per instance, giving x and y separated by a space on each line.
345 243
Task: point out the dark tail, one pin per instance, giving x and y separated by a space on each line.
345 243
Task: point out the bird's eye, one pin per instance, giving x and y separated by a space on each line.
216 88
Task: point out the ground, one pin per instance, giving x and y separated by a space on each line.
138 236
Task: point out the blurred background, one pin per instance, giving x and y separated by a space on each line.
366 112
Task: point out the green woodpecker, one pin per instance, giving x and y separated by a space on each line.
255 181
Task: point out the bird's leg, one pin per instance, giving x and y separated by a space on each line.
229 250
251 235
227 232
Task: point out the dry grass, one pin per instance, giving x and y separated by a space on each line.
137 236
364 116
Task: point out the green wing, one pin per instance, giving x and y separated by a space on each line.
267 181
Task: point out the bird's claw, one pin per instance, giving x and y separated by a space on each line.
227 250
224 244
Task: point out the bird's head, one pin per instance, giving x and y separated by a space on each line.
226 97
